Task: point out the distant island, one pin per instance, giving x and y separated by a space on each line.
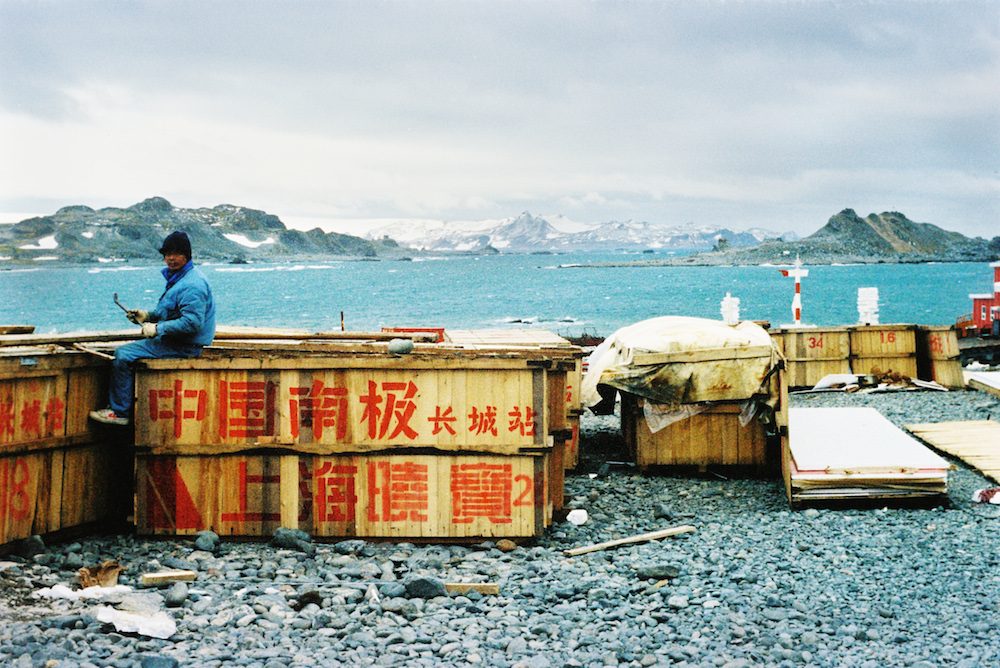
80 234
885 238
227 233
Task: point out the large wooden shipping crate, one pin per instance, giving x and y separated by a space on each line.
812 353
708 438
234 416
938 355
884 348
54 470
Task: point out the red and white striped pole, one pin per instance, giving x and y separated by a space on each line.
798 273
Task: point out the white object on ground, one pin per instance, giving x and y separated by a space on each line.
991 495
577 516
157 625
62 591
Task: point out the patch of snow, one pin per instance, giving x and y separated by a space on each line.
45 243
46 258
88 235
243 241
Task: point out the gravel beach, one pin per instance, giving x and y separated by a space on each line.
755 584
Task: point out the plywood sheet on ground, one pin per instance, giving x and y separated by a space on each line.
975 442
857 454
854 440
985 381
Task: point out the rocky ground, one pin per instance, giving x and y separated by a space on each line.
755 584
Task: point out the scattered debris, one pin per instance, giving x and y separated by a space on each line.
990 495
304 599
105 575
878 381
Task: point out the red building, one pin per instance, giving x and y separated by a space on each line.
985 308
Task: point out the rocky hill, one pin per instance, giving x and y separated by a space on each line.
80 234
847 238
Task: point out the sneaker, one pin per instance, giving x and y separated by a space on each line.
108 416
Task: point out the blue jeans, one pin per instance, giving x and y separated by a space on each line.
122 368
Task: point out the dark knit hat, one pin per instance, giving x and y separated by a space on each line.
177 242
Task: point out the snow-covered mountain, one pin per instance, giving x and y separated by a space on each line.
527 233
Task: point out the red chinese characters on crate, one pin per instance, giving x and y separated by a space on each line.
31 418
320 411
381 495
16 494
176 405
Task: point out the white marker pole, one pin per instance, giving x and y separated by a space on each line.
798 273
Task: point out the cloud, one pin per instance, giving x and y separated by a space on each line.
756 112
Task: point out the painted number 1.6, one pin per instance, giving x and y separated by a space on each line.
888 337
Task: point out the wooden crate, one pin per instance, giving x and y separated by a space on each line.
812 353
713 437
55 471
938 356
378 496
885 348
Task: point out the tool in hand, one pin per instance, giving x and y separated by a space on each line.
120 305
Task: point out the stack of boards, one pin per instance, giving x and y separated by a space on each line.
856 453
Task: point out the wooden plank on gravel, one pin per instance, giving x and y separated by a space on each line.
641 538
485 588
163 577
975 442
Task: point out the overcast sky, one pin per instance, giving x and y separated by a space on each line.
741 114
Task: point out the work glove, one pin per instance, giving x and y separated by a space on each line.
138 316
149 329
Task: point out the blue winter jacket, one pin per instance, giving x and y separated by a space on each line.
185 313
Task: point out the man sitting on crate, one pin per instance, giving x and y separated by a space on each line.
182 323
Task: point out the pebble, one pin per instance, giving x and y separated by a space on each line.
755 584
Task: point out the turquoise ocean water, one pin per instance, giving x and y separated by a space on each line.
506 291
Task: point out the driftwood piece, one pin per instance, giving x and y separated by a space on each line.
641 538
